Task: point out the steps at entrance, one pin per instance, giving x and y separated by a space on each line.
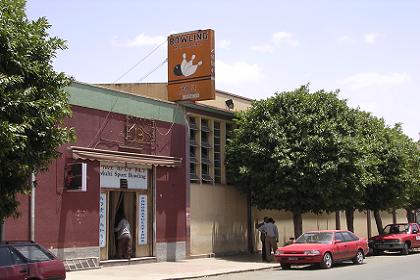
119 262
81 264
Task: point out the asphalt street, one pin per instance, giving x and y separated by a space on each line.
385 267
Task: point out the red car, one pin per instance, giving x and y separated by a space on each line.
28 260
323 247
396 237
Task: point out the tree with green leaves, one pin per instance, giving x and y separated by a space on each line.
293 151
390 171
366 131
33 102
394 172
412 201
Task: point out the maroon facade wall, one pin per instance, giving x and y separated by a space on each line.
71 219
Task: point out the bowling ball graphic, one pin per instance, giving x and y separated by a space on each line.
177 70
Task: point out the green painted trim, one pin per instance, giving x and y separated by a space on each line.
85 95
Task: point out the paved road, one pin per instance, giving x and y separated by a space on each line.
386 267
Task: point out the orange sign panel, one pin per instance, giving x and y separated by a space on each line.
191 60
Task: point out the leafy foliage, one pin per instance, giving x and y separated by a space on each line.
309 152
390 170
33 101
291 151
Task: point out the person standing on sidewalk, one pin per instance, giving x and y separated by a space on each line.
271 238
262 238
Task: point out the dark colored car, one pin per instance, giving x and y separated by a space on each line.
28 260
323 247
396 237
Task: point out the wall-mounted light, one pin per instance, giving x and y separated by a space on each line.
229 104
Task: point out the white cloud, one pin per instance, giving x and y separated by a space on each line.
278 38
140 41
223 44
284 37
345 39
370 38
372 79
264 48
238 72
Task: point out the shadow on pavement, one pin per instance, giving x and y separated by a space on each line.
390 253
311 267
251 258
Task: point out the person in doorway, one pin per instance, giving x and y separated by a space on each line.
262 238
123 237
271 238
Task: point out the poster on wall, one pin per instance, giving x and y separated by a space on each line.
142 220
123 176
102 220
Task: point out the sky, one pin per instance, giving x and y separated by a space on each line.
368 49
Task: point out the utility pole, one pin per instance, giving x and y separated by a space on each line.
32 207
1 230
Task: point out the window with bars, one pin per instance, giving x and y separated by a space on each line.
217 155
193 123
193 150
229 130
205 174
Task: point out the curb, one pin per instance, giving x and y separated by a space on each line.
221 273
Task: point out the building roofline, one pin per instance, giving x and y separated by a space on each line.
188 104
123 92
163 83
206 108
234 95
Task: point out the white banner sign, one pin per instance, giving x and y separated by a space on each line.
117 176
102 220
142 219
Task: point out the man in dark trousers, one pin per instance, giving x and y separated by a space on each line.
262 238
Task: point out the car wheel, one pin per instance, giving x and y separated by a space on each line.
405 250
358 259
285 265
327 261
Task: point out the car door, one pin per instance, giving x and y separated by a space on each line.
415 232
10 269
340 246
352 244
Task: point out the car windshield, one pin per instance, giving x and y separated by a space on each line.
398 228
34 253
315 237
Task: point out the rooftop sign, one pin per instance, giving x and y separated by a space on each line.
191 60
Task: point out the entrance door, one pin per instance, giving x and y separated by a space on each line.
132 195
121 202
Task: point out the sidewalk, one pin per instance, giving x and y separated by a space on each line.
185 269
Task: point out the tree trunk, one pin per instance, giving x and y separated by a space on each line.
410 216
369 223
378 221
251 233
394 216
337 220
350 219
297 223
1 229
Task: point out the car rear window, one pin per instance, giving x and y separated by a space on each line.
34 253
348 236
397 228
